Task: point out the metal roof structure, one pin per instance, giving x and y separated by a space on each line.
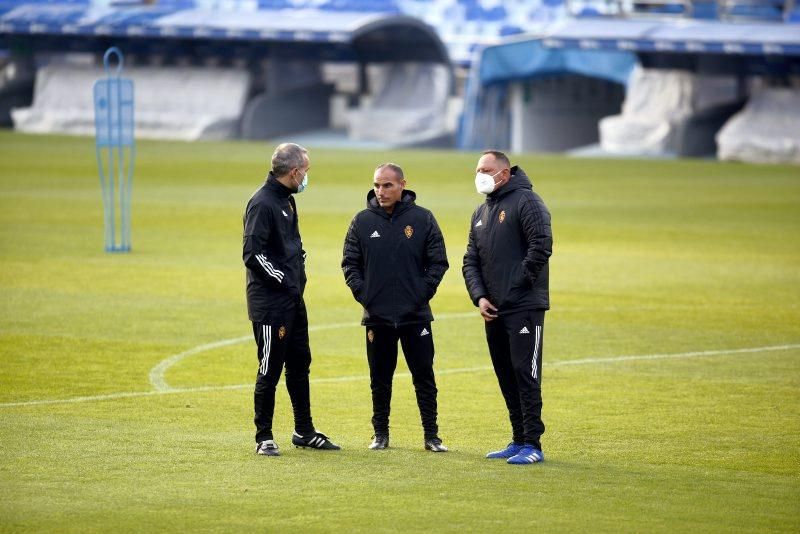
309 33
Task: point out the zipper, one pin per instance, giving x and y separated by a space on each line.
394 278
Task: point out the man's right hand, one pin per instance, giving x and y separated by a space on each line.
488 311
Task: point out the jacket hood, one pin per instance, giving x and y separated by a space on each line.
519 180
406 201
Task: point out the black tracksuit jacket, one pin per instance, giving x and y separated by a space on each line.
272 252
394 263
510 241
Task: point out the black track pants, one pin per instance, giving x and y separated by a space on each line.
417 343
515 345
284 341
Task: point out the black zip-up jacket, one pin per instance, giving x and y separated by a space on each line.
273 252
394 263
510 241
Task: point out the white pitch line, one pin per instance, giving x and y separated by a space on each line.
352 378
674 356
157 373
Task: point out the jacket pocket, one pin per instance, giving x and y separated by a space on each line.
518 285
412 294
363 297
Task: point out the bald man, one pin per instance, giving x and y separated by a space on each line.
394 259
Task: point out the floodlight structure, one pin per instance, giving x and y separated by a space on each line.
116 151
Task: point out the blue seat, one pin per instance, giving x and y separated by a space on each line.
704 10
510 30
589 12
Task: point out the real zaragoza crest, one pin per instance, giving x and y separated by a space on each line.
281 332
502 215
409 231
370 335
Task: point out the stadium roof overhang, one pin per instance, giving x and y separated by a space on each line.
609 49
165 28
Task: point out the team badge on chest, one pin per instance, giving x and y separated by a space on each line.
409 231
370 335
281 332
502 216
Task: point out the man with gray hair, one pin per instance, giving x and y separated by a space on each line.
275 262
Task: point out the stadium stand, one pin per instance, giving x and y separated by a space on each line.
409 106
764 10
467 25
171 36
659 108
766 130
294 98
179 103
725 10
696 62
512 48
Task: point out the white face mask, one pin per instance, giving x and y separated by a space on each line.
484 183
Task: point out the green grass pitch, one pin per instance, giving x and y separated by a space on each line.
679 263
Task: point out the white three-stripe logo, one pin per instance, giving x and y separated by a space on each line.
480 223
534 365
284 213
375 234
271 271
424 332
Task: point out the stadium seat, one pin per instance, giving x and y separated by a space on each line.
704 10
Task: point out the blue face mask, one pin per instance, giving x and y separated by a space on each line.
303 184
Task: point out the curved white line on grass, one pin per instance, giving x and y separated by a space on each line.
157 373
352 378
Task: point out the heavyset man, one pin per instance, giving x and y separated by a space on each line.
394 259
506 272
275 261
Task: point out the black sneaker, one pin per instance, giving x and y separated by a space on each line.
435 445
268 448
314 440
379 441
